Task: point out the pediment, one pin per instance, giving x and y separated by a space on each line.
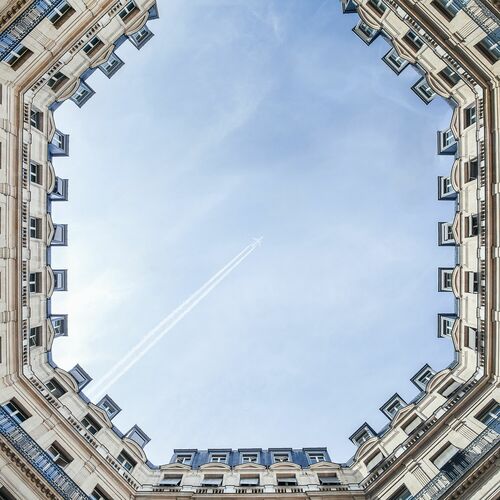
102 414
135 448
176 467
215 466
401 414
319 466
249 466
436 380
284 466
67 378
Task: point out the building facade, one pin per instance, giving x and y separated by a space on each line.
56 443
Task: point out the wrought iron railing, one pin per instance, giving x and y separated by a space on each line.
483 17
24 23
38 458
460 463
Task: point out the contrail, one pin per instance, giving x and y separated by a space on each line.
154 335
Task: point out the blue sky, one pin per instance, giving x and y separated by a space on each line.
242 119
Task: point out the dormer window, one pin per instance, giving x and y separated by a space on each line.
141 37
60 280
469 116
60 191
395 61
126 461
364 433
424 90
82 94
445 232
489 46
316 456
287 480
220 458
348 7
445 279
59 146
392 406
281 457
446 191
365 32
413 40
449 76
60 237
92 46
184 458
112 65
422 377
55 388
249 458
109 406
81 377
472 225
137 435
60 324
445 324
447 144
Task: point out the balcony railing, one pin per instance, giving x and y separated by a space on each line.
461 462
38 458
24 23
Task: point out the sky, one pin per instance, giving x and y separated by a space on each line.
241 119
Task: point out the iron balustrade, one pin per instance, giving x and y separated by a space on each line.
24 23
38 458
453 470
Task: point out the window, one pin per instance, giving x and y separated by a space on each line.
424 91
491 414
446 234
109 406
35 282
91 425
364 433
218 458
13 408
60 325
472 225
490 47
249 458
471 168
129 9
60 13
141 37
445 281
82 94
59 146
394 61
55 388
447 139
59 456
444 455
60 280
401 494
35 227
35 173
449 76
137 435
374 460
17 56
287 480
81 377
97 494
211 481
448 8
315 456
91 47
60 191
393 406
450 388
364 32
469 116
56 81
170 480
446 191
35 336
413 40
470 338
112 65
249 480
328 479
422 377
60 237
126 461
445 325
36 119
378 5
412 425
472 282
281 457
184 458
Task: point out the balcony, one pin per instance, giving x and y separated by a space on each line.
38 458
463 461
